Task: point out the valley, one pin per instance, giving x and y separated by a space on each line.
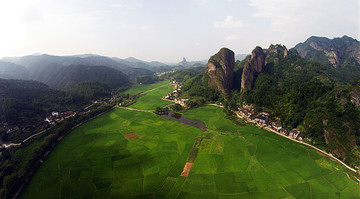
131 154
272 125
194 99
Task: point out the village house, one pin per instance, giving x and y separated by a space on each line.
294 133
68 114
171 96
50 120
55 114
176 85
283 131
246 111
181 101
11 128
276 126
261 119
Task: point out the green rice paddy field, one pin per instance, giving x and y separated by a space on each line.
130 154
139 88
152 99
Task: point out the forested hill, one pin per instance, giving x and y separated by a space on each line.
342 53
26 103
65 71
66 77
339 52
34 61
13 71
318 99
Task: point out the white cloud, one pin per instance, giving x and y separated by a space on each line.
137 27
228 23
202 2
232 37
302 18
127 4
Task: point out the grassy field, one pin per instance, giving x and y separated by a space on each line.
139 88
152 99
97 161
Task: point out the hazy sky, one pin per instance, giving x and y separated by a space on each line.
167 30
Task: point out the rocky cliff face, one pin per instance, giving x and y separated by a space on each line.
184 62
256 64
339 52
220 69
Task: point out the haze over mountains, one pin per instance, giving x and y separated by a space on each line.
64 71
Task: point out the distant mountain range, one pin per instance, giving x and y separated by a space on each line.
65 71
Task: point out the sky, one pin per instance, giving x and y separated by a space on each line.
168 30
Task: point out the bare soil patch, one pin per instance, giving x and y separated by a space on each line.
186 169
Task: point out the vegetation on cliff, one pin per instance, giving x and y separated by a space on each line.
312 97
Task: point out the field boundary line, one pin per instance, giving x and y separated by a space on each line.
133 109
310 189
177 195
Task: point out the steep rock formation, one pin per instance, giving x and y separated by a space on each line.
256 64
355 95
184 62
339 52
220 69
275 53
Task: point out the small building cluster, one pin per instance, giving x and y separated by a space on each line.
263 119
162 73
174 95
180 101
176 85
9 128
55 117
246 111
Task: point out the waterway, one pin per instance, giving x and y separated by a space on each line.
180 118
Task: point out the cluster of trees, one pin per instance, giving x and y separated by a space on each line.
161 111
